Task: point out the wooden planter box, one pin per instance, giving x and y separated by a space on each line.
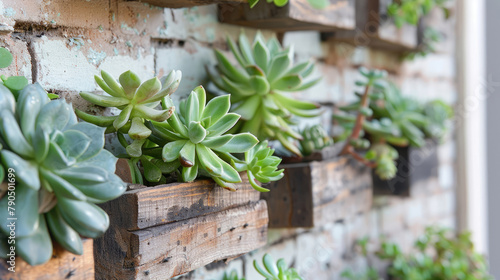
63 265
313 193
414 165
296 15
188 3
374 28
167 230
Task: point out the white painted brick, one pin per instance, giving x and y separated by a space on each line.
191 59
306 44
329 89
70 69
60 12
415 212
433 65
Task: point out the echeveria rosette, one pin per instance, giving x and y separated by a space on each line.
61 171
259 88
195 136
137 102
261 166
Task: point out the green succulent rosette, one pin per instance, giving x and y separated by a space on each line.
259 88
137 102
195 136
59 170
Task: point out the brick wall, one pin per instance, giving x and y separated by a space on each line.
62 44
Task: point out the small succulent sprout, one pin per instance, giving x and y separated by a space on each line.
196 136
315 138
276 271
61 171
384 156
261 166
259 88
137 102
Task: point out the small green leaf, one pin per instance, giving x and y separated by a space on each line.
197 133
5 58
171 150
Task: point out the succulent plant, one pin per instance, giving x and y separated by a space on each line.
260 164
380 129
259 85
276 271
137 102
195 137
60 171
315 138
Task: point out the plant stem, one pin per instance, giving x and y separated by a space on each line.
348 149
359 122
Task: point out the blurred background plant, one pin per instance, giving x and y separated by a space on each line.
439 254
259 88
382 118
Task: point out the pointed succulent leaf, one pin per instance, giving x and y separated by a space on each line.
26 211
26 171
130 83
171 150
223 124
197 133
209 160
187 155
66 236
240 143
138 130
147 90
261 54
104 101
36 248
217 108
12 135
248 108
86 218
190 173
123 117
115 87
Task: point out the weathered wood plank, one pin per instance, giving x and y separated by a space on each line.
374 28
150 206
296 15
313 193
187 3
63 265
414 165
168 250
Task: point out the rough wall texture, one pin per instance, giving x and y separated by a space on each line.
62 44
